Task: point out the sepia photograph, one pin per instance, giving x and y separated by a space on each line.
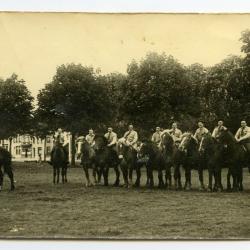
119 126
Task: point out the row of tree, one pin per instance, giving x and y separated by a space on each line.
155 92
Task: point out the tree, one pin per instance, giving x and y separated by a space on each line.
15 107
157 92
75 100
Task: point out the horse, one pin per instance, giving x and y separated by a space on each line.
106 157
87 157
128 162
174 158
191 159
237 159
5 162
156 159
212 156
59 160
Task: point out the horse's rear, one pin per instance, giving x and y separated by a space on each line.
5 167
59 163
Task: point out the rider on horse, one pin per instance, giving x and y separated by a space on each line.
217 130
174 132
200 131
112 139
130 138
243 136
59 141
156 137
90 138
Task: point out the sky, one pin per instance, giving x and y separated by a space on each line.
32 45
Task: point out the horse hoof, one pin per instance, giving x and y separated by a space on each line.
210 190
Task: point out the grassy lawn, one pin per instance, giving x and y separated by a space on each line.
37 208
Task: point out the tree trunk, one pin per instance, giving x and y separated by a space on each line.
10 149
73 150
45 149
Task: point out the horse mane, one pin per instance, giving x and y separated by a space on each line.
230 134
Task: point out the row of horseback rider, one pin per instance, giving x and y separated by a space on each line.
131 138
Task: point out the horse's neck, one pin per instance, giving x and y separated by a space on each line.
170 148
193 147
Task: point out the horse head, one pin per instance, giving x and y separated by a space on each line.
167 142
206 142
100 142
188 142
226 137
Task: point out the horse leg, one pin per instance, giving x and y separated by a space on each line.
9 172
235 179
160 178
58 174
188 179
210 180
229 187
138 175
105 176
240 179
54 174
151 177
65 174
123 167
168 177
200 172
147 173
177 177
62 173
220 187
130 173
86 171
1 179
117 173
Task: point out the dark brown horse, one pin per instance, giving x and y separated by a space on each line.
191 159
88 161
128 163
174 158
59 162
213 156
156 160
105 158
237 159
5 164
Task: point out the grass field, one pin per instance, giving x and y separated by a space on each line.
37 208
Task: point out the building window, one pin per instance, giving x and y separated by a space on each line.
34 152
18 150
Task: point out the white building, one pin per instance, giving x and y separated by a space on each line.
32 148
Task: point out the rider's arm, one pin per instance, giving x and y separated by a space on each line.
214 133
153 138
246 136
237 135
195 134
114 140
